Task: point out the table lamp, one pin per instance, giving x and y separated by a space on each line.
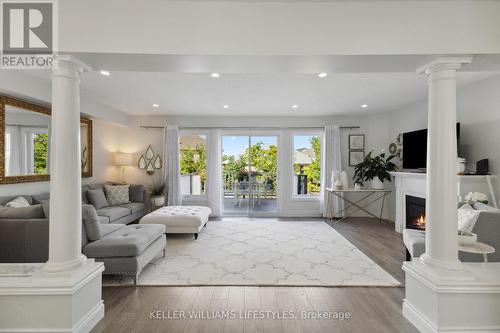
123 160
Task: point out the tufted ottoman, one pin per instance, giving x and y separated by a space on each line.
179 219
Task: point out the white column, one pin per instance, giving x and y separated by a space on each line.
441 205
65 231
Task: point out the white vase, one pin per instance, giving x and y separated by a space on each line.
159 200
344 180
358 186
377 184
460 166
338 185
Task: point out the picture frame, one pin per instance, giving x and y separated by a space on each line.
356 157
356 142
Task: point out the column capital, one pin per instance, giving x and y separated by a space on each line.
443 63
71 63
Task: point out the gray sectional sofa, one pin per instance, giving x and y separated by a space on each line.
124 249
106 234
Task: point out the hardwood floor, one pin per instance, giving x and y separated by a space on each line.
371 309
377 240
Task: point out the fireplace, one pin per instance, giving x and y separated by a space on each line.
415 213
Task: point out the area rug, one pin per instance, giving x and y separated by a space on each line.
263 252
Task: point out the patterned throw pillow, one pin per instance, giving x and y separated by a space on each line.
117 194
18 202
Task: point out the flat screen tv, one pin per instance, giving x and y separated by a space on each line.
415 149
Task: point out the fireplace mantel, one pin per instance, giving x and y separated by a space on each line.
414 184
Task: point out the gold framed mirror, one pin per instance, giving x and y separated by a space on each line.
25 142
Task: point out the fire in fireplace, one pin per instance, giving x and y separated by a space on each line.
415 213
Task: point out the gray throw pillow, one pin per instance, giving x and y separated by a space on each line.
117 194
31 212
97 198
136 193
91 223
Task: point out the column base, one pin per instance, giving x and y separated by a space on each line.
440 264
452 301
65 266
38 301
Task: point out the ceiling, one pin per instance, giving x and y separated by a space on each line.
252 86
198 94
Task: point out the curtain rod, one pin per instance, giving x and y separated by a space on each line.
253 128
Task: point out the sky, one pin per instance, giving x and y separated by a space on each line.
236 145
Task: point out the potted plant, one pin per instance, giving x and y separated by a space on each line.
374 169
158 194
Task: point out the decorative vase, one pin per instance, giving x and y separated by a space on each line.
358 186
158 200
338 185
344 180
333 179
467 238
460 166
377 184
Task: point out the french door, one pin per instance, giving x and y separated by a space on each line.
249 174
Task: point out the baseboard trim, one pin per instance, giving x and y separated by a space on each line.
85 325
423 324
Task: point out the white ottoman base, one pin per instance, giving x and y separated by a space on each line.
179 219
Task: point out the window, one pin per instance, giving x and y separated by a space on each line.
40 152
307 165
193 163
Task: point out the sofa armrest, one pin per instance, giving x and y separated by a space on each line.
24 240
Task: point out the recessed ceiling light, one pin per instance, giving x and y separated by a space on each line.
295 106
215 75
323 74
156 105
364 106
225 106
105 73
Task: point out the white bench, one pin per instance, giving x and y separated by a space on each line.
179 219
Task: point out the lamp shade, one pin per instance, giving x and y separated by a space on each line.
123 159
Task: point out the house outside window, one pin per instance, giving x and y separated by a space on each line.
306 165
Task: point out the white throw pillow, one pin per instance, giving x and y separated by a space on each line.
117 194
18 202
467 217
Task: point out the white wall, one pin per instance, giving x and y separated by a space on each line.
105 128
135 140
478 111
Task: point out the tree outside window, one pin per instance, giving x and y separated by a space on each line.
40 146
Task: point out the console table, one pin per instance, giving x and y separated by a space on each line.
369 197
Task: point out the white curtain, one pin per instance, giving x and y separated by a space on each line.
13 160
214 178
172 168
331 205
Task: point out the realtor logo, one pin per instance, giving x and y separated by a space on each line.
28 33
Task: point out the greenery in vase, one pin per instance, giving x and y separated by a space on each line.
374 166
157 189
